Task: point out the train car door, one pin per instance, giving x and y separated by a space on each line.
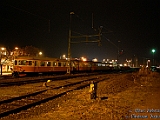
36 66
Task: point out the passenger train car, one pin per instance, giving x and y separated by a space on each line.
40 65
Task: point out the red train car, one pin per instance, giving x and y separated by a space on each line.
40 65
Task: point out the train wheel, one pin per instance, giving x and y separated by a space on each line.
15 74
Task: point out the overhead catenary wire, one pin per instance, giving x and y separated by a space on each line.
84 21
108 31
86 36
25 11
24 25
111 42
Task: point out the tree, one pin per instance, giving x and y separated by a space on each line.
30 51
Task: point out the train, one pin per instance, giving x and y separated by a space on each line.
46 65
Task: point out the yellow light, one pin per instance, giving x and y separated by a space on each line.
40 53
2 48
16 48
95 60
64 56
125 64
120 65
83 59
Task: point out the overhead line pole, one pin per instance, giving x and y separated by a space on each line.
69 45
82 36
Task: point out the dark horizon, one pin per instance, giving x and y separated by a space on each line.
45 25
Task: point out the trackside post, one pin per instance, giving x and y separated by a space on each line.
93 90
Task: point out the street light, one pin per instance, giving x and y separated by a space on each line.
40 53
16 48
153 51
64 56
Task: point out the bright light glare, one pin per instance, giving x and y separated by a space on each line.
95 60
16 48
125 64
64 56
2 48
84 59
153 50
120 65
40 53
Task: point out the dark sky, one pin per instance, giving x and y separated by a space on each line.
135 23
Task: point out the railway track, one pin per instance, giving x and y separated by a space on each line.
18 82
17 104
31 80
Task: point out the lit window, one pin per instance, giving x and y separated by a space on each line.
99 64
103 64
54 64
48 63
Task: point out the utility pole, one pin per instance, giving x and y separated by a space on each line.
81 36
69 45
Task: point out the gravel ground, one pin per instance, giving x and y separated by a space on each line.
119 98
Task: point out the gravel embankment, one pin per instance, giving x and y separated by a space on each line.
118 97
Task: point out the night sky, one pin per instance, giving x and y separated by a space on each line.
135 23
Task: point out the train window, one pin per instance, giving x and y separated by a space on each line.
103 64
19 62
59 64
54 63
42 63
99 64
30 62
107 64
27 63
48 63
22 62
15 62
